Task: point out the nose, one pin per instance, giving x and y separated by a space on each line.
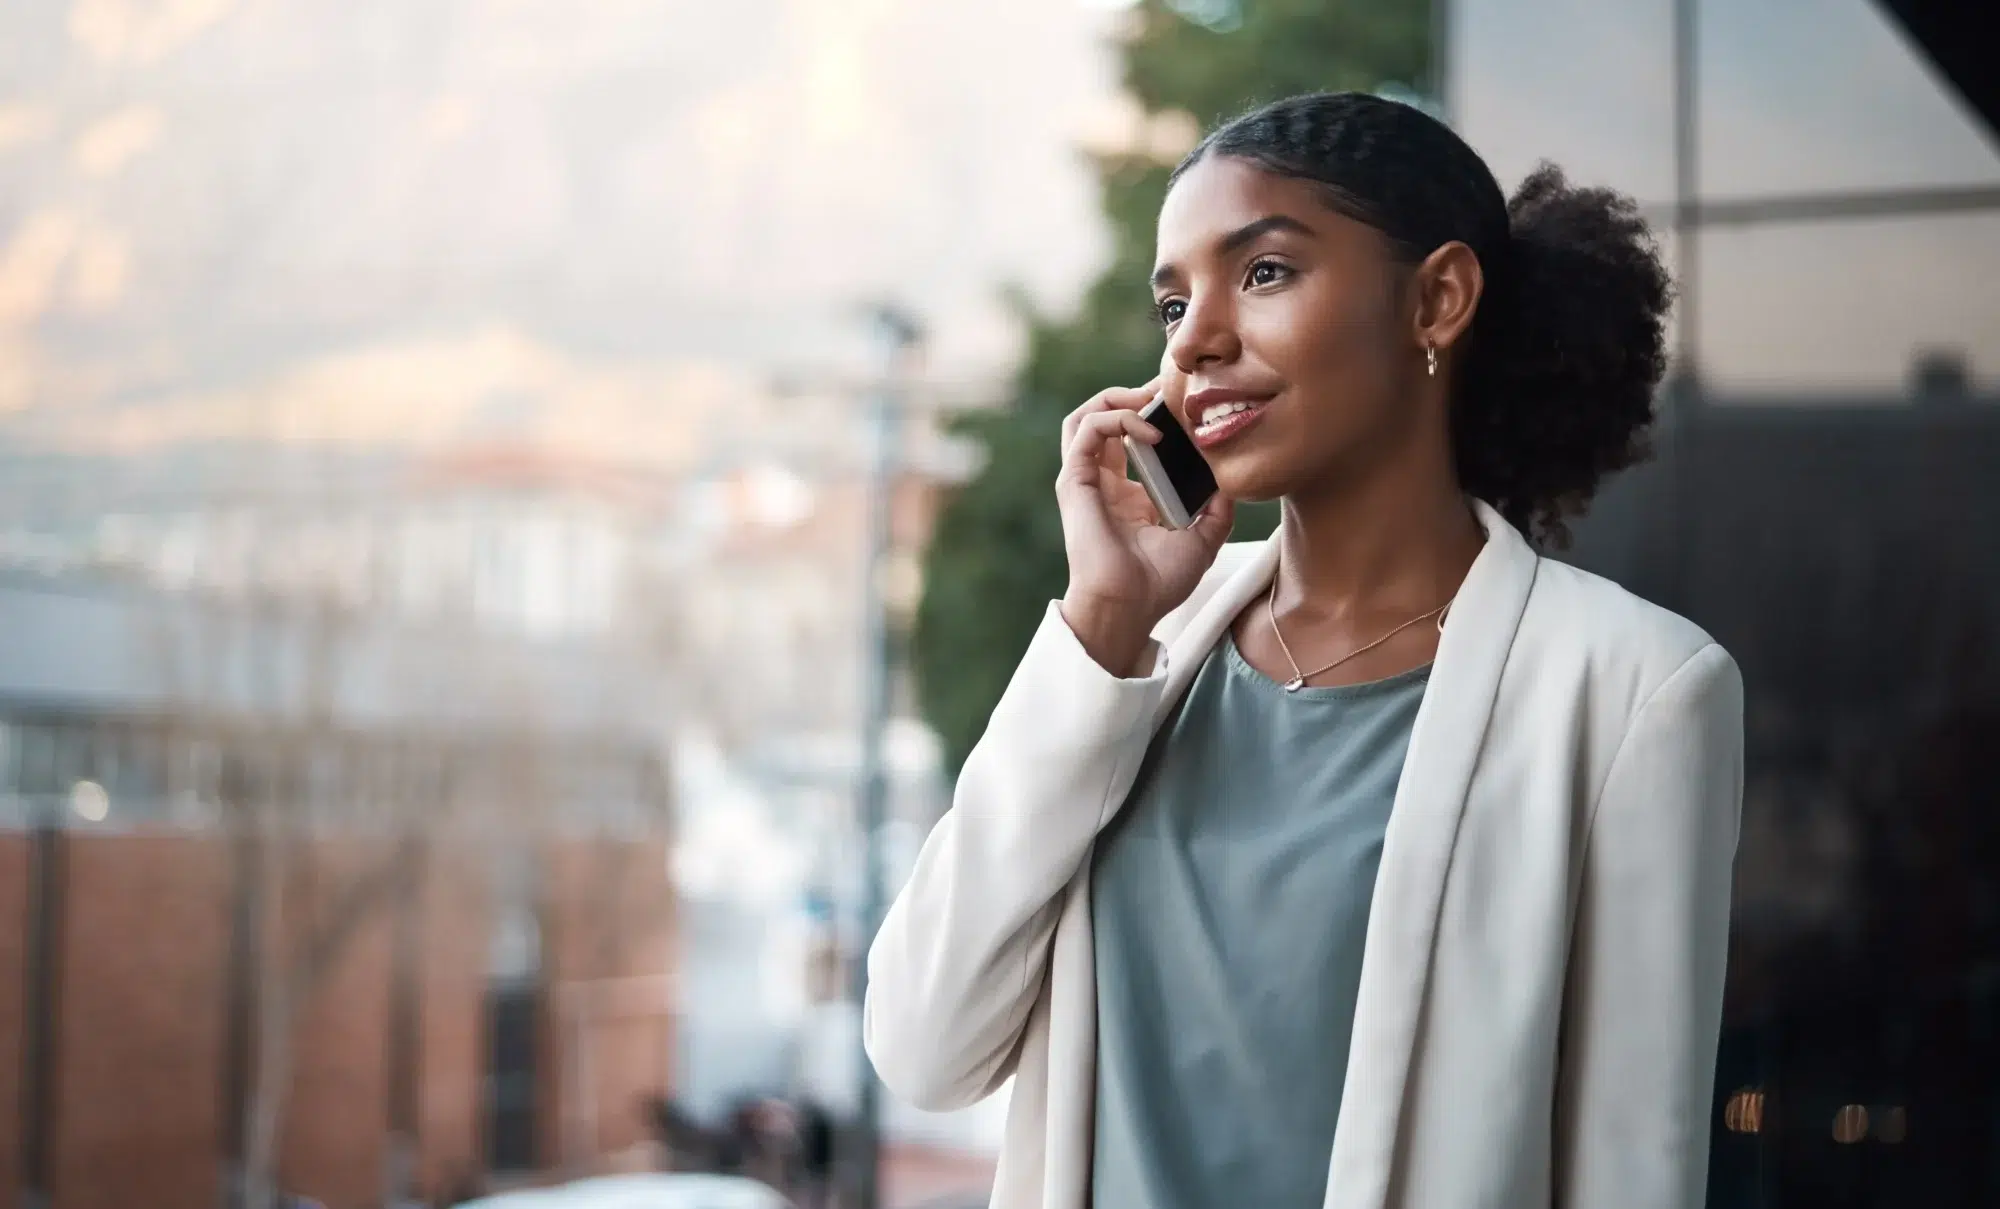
1206 335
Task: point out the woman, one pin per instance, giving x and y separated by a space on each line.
1384 863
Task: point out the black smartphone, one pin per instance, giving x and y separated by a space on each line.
1173 472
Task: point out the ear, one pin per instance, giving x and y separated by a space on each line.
1448 284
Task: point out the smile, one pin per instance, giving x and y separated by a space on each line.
1222 421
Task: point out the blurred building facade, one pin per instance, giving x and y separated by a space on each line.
1827 183
425 874
519 335
666 660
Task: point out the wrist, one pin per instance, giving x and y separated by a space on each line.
1113 633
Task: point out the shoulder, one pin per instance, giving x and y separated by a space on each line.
1624 649
1623 653
1600 613
1622 682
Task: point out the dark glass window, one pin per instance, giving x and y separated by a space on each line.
1823 506
511 1018
1807 98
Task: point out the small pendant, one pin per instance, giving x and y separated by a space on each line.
1295 684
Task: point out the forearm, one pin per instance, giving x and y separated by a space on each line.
960 955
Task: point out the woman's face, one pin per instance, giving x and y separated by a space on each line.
1292 355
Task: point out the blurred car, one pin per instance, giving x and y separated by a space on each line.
649 1191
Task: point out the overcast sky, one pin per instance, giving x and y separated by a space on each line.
600 221
492 211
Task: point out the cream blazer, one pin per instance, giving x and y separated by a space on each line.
1542 984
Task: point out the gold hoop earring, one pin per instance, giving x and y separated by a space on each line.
1430 359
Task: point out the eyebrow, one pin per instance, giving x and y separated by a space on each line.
1240 238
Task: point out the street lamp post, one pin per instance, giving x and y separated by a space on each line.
897 337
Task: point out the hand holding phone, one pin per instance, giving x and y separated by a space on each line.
1136 550
1175 475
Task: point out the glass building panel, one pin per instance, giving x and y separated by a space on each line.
1806 96
1830 309
1585 84
1824 511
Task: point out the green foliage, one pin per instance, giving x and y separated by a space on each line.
996 559
1282 48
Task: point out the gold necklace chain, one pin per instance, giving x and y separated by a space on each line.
1299 678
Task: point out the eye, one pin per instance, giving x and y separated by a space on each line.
1170 310
1266 272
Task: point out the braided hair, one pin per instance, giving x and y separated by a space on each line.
1554 390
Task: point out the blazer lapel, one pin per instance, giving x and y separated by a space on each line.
1409 889
1416 856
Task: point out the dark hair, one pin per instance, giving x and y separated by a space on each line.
1555 388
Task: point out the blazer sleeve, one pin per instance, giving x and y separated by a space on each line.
1644 999
959 958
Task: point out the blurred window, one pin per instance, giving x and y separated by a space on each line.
1587 85
1806 96
1851 307
1794 99
39 766
513 996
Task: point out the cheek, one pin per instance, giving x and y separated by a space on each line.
1332 349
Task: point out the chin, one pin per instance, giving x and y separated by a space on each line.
1253 480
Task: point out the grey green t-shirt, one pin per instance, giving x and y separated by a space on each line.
1230 902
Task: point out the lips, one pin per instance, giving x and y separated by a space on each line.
1217 415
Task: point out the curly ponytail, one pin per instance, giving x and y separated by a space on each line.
1555 387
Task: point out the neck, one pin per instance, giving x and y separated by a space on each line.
1393 542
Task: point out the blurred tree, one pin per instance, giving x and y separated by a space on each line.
996 558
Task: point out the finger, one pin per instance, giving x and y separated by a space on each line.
1132 398
1099 444
1105 427
1113 460
1083 459
1114 456
1215 521
1125 398
1096 403
1128 501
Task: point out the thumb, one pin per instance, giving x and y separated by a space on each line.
1217 518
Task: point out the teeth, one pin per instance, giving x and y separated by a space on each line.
1210 415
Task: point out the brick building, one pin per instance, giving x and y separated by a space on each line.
451 857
